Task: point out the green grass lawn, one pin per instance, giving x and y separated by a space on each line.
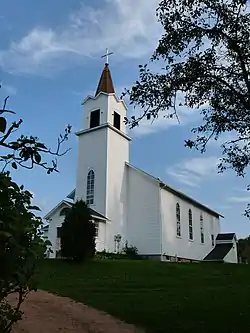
160 297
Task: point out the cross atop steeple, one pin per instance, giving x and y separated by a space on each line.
106 84
107 55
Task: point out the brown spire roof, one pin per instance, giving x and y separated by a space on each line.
105 84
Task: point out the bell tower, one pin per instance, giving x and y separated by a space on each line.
103 150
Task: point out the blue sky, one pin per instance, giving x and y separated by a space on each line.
50 60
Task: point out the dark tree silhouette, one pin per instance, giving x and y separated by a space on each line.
205 51
78 233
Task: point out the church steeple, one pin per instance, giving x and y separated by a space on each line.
105 84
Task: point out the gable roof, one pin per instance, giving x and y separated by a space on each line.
219 252
52 211
93 213
177 193
226 236
105 84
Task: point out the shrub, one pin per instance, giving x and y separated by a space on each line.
78 233
21 245
131 252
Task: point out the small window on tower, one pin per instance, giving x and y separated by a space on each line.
117 120
94 118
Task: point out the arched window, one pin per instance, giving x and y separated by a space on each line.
178 220
64 211
202 228
90 187
190 224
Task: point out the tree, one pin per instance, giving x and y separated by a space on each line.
26 151
205 49
243 249
21 246
78 233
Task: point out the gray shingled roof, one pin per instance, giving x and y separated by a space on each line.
219 252
225 236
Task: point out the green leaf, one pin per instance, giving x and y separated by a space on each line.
37 157
3 124
14 166
41 145
5 234
34 208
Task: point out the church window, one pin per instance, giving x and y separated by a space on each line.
96 229
212 238
64 211
58 231
190 224
117 120
94 118
90 187
202 228
178 220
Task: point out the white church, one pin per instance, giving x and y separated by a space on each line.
128 204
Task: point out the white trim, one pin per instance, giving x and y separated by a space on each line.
46 217
106 94
52 211
78 133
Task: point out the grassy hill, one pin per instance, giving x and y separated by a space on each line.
160 297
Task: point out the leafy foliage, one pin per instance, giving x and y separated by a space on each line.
243 248
205 49
78 233
21 246
131 251
27 151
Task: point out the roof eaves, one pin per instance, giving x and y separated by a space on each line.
187 198
103 93
55 208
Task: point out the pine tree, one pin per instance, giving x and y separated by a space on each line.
78 233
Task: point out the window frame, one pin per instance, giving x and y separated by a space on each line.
90 118
63 210
90 188
58 232
190 225
178 219
202 229
97 227
115 117
212 239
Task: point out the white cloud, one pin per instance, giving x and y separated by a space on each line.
239 199
192 172
129 33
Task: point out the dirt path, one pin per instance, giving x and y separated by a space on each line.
47 313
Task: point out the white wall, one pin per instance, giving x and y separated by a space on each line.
101 239
107 103
101 102
56 221
92 154
181 246
143 218
232 257
120 108
118 154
